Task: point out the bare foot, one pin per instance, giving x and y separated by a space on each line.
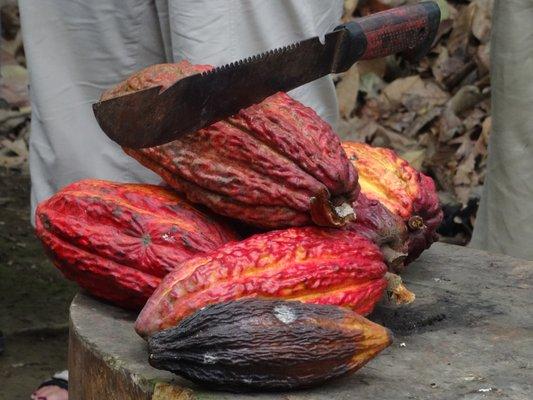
50 393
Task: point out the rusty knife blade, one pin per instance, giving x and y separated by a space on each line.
150 117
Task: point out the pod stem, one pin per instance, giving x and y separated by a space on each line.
415 223
393 258
324 213
397 291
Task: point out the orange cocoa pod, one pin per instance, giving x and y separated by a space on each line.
118 240
274 164
309 264
403 190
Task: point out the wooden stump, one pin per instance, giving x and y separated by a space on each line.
468 335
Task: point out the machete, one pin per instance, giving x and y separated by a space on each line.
153 117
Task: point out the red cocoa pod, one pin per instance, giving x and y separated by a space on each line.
118 240
274 164
404 191
309 264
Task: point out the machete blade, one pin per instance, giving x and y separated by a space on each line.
150 117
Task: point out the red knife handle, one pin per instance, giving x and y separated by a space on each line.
409 30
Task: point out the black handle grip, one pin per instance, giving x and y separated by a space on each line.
408 29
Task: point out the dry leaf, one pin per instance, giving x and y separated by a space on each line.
13 154
9 21
460 36
483 59
399 122
415 158
482 21
348 10
371 84
347 90
485 132
466 98
414 93
423 120
377 66
6 56
444 9
373 6
465 146
14 85
473 119
445 66
384 137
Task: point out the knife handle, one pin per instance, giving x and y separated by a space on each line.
409 30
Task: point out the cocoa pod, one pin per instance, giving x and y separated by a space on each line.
118 240
404 191
314 265
274 164
381 226
267 345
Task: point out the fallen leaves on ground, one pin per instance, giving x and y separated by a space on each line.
14 97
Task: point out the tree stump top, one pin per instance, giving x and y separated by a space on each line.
468 335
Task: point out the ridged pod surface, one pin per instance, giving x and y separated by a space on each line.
118 240
267 345
404 191
274 164
310 264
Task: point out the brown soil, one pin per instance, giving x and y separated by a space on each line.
34 297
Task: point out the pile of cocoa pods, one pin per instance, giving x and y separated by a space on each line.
254 266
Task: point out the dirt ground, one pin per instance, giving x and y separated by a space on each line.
34 297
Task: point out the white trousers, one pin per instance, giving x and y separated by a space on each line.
77 48
504 222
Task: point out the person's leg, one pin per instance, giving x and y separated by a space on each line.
207 32
76 49
504 222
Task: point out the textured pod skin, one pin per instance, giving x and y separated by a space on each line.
118 240
310 264
163 75
274 164
267 345
404 191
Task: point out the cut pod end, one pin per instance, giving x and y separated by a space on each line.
415 223
394 259
397 291
324 213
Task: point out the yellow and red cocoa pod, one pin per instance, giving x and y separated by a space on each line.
404 191
310 264
274 164
118 240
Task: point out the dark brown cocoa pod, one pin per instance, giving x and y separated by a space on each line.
258 344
